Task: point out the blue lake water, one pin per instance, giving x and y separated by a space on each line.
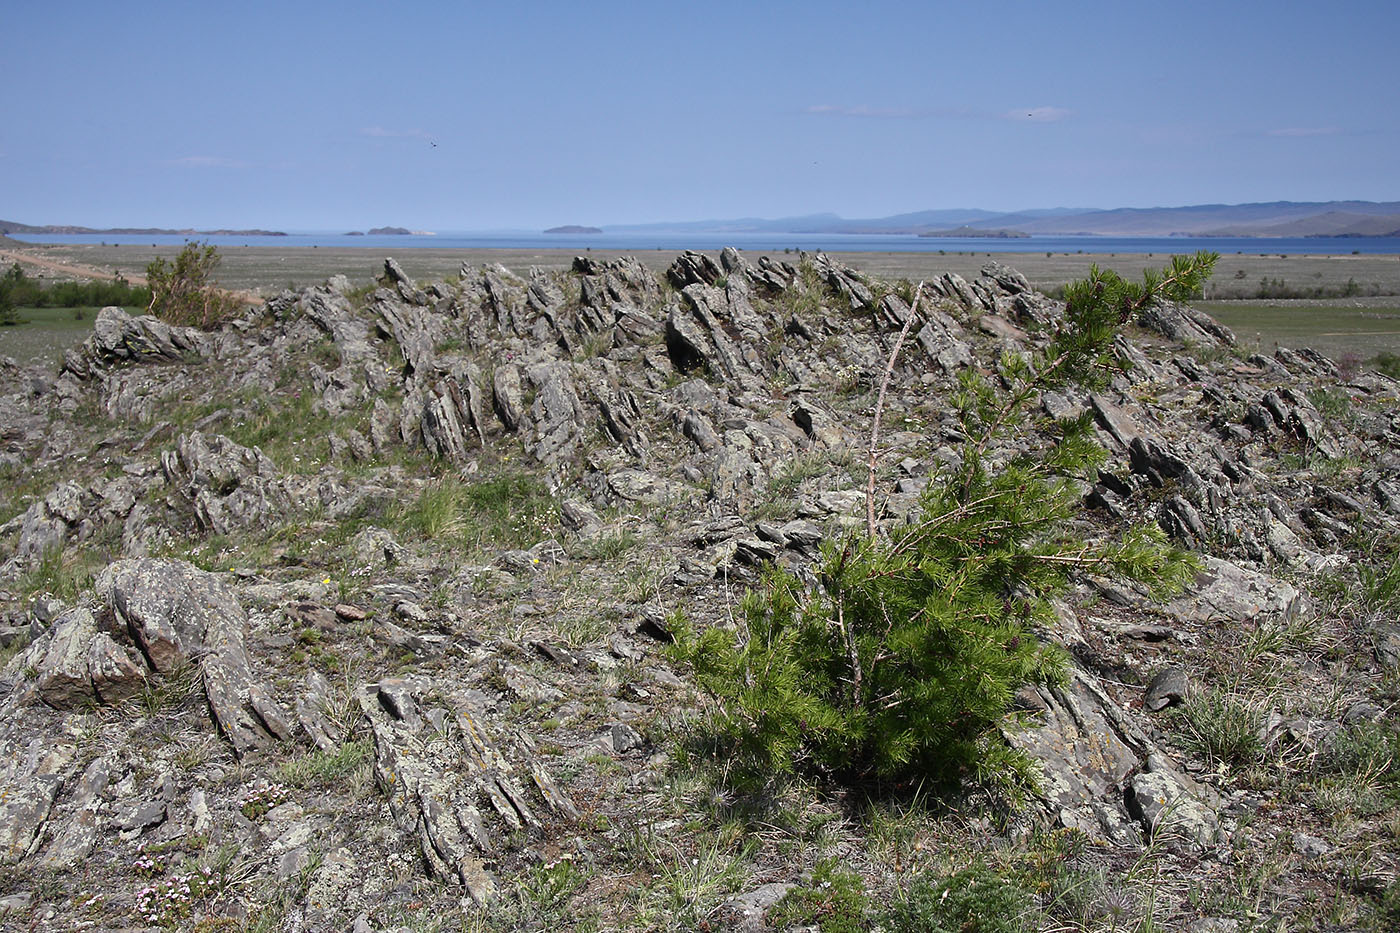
772 242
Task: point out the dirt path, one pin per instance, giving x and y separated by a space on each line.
91 272
65 268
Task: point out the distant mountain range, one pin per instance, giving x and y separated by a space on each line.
1272 219
10 226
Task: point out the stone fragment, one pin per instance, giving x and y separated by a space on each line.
620 738
1086 748
747 912
142 816
1164 804
1170 686
311 704
62 678
28 788
1227 592
180 614
115 674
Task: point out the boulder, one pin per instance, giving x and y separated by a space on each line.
1227 592
179 614
117 337
62 677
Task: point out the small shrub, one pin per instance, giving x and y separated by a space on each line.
1380 583
320 768
835 902
261 796
1388 364
62 573
512 510
1218 727
8 314
1367 750
169 901
184 293
1334 404
545 892
609 546
973 900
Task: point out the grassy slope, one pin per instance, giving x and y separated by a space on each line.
44 333
1335 329
636 876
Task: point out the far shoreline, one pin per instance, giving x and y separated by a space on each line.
269 268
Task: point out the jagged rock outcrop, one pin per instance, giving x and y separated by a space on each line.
1101 774
449 784
228 485
118 337
504 689
180 615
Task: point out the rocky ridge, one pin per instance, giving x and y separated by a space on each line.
258 624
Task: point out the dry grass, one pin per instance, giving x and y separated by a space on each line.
271 267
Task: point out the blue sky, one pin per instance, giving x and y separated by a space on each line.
473 116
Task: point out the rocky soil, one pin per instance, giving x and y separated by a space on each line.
352 615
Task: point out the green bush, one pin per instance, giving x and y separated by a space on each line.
1217 726
12 293
18 290
835 902
1388 364
1380 582
902 660
184 293
512 510
973 900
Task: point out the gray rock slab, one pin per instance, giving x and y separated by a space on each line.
1224 591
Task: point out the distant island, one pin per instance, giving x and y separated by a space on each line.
574 228
966 231
7 227
384 231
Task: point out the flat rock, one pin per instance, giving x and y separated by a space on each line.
1226 592
1165 805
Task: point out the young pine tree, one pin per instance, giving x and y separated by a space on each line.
902 661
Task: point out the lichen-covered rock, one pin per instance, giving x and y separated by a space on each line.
179 614
63 678
33 771
448 782
1165 804
45 526
117 337
1229 593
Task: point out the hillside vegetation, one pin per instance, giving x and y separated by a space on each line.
473 604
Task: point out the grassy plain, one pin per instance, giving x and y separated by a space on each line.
270 268
1361 325
1340 330
44 333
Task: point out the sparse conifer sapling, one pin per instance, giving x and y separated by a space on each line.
904 658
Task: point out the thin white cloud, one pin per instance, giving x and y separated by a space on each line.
1306 131
208 161
379 132
862 110
1038 114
